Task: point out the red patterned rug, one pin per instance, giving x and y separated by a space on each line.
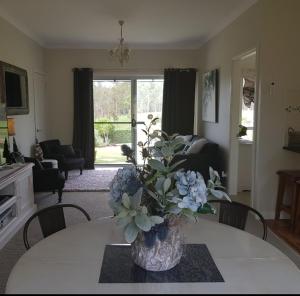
90 180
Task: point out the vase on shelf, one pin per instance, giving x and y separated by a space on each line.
159 249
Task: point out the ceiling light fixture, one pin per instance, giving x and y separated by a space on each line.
121 52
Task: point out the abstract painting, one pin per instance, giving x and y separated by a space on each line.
210 96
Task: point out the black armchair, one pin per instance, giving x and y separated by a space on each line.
68 158
46 178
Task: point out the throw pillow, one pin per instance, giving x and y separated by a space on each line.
186 139
196 146
38 152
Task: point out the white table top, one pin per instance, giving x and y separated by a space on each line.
69 261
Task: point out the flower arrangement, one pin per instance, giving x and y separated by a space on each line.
147 198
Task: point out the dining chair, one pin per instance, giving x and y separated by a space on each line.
51 219
235 214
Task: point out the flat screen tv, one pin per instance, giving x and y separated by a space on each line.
15 92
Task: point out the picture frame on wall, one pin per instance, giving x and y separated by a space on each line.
210 96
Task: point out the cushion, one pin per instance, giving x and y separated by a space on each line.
186 138
67 150
38 152
196 146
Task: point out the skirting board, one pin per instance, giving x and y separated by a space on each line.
14 227
268 215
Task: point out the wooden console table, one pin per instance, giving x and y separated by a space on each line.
18 205
288 180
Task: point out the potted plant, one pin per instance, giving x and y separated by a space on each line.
150 201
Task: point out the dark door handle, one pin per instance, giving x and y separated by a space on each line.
133 122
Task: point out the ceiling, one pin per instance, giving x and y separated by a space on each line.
149 24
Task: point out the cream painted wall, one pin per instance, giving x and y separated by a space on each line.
272 27
244 167
59 64
21 51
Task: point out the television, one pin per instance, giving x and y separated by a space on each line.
15 89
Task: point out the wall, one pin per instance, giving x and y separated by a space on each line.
59 64
21 51
271 26
244 167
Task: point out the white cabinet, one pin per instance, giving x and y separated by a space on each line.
16 199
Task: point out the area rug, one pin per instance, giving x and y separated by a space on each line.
90 180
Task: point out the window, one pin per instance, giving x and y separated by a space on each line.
247 107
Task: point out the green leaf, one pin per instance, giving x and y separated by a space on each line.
131 232
157 165
143 222
123 213
144 210
132 213
156 220
167 184
123 222
219 194
172 167
206 209
126 201
136 199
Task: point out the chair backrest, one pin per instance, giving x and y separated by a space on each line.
51 219
50 147
236 214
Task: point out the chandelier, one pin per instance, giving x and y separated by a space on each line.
121 52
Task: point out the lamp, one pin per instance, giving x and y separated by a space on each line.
11 126
121 52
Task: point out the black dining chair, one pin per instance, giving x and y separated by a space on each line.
235 214
51 219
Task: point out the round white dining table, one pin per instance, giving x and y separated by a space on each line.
69 261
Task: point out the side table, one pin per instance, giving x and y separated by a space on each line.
288 180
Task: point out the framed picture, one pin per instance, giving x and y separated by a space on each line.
210 96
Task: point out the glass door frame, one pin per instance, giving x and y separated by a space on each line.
133 81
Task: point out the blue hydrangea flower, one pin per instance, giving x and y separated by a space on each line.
124 181
192 189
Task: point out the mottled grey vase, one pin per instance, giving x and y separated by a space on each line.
164 255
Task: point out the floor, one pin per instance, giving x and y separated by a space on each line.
283 230
96 205
242 197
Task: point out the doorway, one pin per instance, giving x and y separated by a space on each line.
243 128
121 107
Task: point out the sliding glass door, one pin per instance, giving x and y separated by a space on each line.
121 107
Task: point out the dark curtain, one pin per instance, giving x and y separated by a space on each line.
179 101
83 132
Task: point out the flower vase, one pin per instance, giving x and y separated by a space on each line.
163 254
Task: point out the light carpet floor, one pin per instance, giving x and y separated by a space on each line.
90 180
95 203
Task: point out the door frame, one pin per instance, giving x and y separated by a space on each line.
134 122
234 148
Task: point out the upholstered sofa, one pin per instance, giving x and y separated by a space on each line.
200 154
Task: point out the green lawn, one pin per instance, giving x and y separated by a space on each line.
111 154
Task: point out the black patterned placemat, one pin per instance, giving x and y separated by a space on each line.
196 265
